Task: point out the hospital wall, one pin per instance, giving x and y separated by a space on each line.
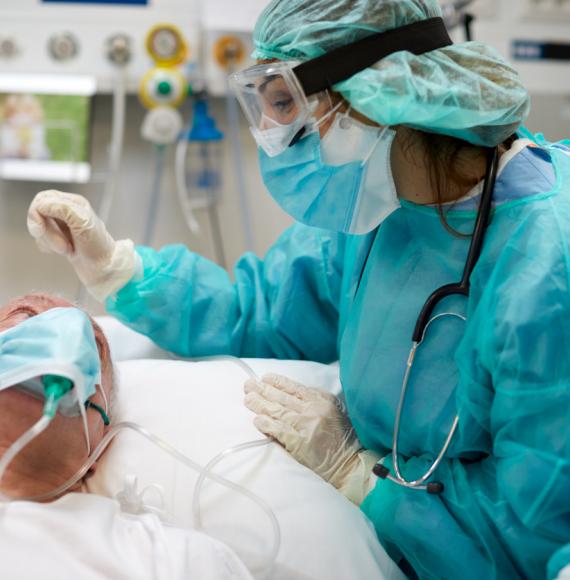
23 268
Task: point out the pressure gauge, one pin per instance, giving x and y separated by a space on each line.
166 45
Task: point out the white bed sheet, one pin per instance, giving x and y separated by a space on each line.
87 537
198 407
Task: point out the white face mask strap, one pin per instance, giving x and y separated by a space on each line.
274 124
381 134
328 115
85 428
104 396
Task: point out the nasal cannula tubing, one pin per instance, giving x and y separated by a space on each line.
205 472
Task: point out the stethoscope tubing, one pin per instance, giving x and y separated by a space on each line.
425 319
483 218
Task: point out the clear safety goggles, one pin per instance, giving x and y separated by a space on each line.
283 101
276 106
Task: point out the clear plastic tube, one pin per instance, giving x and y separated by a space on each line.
35 430
207 202
104 397
161 444
228 358
116 145
155 194
221 358
204 472
207 472
181 189
217 238
196 510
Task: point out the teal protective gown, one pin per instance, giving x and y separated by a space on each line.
505 511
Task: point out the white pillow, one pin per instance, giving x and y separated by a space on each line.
198 407
127 344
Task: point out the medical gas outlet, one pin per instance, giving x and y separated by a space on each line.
164 88
8 48
63 46
229 52
161 87
162 91
164 85
119 49
166 46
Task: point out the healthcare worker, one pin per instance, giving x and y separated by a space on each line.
396 153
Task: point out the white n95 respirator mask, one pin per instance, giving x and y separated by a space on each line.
342 182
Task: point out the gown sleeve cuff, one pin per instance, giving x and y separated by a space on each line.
361 481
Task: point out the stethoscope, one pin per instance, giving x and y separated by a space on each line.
423 322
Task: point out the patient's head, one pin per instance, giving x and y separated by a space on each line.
59 452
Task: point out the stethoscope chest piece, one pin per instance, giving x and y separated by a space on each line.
433 487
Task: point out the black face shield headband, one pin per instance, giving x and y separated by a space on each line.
342 63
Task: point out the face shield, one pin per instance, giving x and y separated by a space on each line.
276 106
286 100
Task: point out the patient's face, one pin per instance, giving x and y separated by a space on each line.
60 451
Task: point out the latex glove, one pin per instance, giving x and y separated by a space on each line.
315 429
65 223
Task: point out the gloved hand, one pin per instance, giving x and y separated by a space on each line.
314 428
65 223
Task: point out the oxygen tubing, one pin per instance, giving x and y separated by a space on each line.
205 472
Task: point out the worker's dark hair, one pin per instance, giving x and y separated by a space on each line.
445 157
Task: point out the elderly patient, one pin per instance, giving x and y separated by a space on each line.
59 452
111 544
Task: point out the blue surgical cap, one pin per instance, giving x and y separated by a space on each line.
465 90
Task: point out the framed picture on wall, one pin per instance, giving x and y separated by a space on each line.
45 126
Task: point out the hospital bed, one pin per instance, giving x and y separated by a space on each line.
198 408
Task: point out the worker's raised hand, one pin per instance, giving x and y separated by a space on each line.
65 223
313 426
